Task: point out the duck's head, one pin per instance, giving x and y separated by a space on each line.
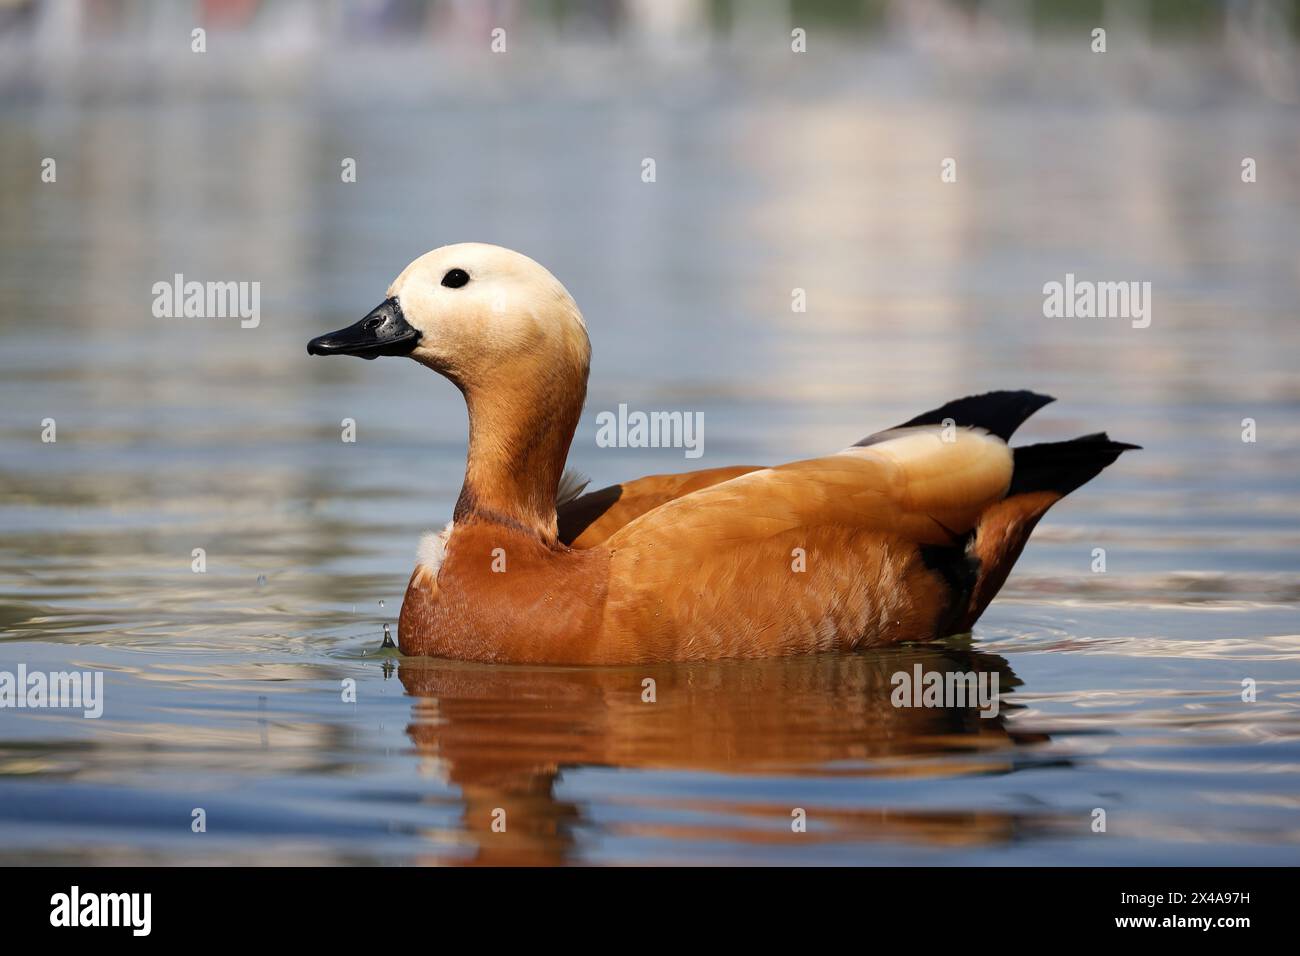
472 312
510 337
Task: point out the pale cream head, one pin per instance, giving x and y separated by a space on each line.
509 309
505 331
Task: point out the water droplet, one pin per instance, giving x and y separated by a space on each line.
381 602
261 579
388 638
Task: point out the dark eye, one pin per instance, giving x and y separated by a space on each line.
455 278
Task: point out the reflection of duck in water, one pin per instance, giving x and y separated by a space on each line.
905 536
504 736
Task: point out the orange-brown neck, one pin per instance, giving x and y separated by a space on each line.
520 429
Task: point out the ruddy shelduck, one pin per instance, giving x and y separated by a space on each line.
904 536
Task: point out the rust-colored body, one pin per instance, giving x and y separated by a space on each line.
739 562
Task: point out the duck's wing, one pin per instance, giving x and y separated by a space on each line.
813 555
591 519
917 482
586 521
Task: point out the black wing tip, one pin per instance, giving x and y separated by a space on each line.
1099 438
1063 466
1018 393
999 412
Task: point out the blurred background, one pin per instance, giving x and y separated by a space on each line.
775 170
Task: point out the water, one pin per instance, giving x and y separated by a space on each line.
259 691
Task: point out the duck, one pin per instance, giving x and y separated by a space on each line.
902 537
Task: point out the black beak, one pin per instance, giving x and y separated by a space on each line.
383 332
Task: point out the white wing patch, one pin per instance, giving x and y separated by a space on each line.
433 548
942 470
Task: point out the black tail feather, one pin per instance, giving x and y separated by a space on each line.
1063 466
999 413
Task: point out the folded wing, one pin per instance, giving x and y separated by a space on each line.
813 555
